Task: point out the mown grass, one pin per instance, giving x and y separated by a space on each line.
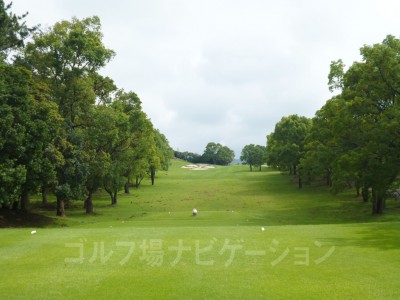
314 245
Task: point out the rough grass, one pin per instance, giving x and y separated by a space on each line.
314 245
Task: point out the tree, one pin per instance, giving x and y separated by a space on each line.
105 137
285 146
141 144
210 153
41 156
165 152
188 156
253 155
371 92
336 75
104 89
162 156
217 154
15 111
321 145
113 180
66 58
356 134
224 156
13 30
118 150
29 128
63 126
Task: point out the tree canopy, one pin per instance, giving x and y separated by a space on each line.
253 155
13 30
285 146
214 153
353 140
65 128
366 122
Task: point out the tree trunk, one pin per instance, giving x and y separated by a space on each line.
89 203
251 168
24 200
60 208
15 205
127 184
153 175
365 194
294 170
114 199
138 181
377 204
111 196
260 168
329 178
357 191
44 196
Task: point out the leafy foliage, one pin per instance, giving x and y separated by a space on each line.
13 30
285 146
217 154
355 138
253 155
214 153
64 127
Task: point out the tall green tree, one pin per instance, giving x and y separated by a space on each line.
17 108
210 153
66 58
105 137
217 154
30 124
41 156
321 143
136 158
355 136
285 146
162 156
253 155
15 111
371 91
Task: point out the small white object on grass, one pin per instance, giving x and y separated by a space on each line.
262 228
194 212
33 231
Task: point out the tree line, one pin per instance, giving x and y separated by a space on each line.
214 153
354 139
65 128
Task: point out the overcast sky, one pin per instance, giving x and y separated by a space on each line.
225 70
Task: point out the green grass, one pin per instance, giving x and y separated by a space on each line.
314 245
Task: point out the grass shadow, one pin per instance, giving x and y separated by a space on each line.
382 236
19 219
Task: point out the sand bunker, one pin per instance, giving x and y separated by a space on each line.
199 167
